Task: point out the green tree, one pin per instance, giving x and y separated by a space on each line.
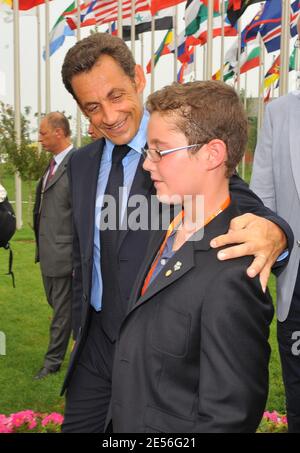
25 159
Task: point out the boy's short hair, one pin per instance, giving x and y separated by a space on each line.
204 111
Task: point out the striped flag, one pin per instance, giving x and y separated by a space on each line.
252 60
196 17
163 49
143 19
59 32
105 11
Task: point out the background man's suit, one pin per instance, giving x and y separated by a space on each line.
53 232
95 340
276 179
192 354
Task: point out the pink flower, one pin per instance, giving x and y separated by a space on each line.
20 418
274 417
53 418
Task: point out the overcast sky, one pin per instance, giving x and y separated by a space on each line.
60 99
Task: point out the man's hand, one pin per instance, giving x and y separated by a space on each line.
255 236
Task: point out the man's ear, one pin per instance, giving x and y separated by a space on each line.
139 78
216 154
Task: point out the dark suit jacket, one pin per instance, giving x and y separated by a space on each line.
52 219
193 353
83 173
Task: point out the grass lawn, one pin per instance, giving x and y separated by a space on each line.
25 318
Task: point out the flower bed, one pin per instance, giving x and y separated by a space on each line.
34 422
31 422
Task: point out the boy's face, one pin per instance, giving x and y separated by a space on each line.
179 173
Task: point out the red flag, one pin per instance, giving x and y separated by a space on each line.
156 5
28 4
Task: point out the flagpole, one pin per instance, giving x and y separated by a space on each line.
120 19
204 61
284 48
175 27
222 38
238 76
245 107
39 76
297 67
142 57
17 110
47 57
132 31
273 84
210 18
261 86
152 53
78 112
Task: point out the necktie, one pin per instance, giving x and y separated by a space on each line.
112 307
51 171
115 181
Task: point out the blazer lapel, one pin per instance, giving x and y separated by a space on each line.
88 189
294 115
60 171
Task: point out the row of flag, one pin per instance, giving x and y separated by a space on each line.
266 23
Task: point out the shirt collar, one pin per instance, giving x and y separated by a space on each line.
138 141
60 157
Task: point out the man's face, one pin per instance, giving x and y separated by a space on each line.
48 136
110 99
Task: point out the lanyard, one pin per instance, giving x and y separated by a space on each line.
174 224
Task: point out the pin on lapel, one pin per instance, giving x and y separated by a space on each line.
168 273
177 266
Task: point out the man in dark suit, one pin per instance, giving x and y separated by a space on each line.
53 232
102 76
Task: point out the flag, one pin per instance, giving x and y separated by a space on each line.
9 13
24 4
196 17
104 11
157 5
142 20
228 72
270 29
273 73
250 31
252 60
236 8
59 31
187 70
87 15
162 49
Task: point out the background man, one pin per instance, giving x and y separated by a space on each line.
102 76
53 231
276 179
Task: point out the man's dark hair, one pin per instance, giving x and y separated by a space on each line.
85 54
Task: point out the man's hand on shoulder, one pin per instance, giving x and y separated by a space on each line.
255 236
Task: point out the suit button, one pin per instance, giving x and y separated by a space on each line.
298 243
